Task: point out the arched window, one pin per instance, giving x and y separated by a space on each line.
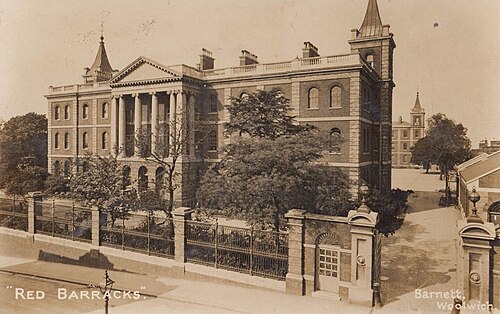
66 112
56 140
104 140
335 137
405 134
212 140
213 103
85 140
336 97
67 168
125 177
159 175
85 166
105 110
66 140
57 167
313 98
57 113
85 111
244 95
142 179
369 59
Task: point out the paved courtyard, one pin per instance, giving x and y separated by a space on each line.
416 180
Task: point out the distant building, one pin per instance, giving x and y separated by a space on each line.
485 147
406 134
347 95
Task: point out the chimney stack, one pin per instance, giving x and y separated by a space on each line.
247 58
206 60
309 50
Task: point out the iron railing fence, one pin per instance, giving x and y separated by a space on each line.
14 213
149 233
256 252
66 221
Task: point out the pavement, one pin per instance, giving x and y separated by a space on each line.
179 295
416 180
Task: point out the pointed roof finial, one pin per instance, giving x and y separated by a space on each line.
417 107
372 24
102 31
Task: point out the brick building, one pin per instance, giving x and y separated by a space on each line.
406 134
350 94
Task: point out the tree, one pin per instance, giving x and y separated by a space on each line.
171 143
445 144
23 154
100 184
276 169
262 114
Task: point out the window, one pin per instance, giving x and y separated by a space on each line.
335 137
126 181
57 113
369 59
56 140
313 98
244 95
213 103
105 110
57 167
212 141
85 140
104 140
335 97
365 141
393 134
405 146
85 166
142 179
85 111
417 134
66 140
66 113
67 168
416 121
405 134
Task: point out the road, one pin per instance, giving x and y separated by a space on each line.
51 301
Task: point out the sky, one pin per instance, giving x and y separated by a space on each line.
446 49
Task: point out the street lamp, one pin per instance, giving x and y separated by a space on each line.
474 197
108 286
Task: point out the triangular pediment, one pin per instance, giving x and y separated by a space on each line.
144 70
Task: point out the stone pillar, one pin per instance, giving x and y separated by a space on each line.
295 275
121 125
114 129
137 120
95 225
34 208
154 120
191 126
474 265
172 121
363 234
180 216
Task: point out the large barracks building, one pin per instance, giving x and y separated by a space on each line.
349 95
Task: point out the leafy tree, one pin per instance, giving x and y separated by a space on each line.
23 154
276 169
445 144
262 114
101 185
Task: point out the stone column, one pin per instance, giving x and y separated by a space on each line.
295 275
34 208
137 120
154 120
114 130
172 120
191 126
180 216
121 126
362 222
474 265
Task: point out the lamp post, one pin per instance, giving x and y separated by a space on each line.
474 197
108 286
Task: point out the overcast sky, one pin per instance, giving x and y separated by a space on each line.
448 48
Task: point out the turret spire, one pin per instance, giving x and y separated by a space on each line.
101 69
417 107
372 24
